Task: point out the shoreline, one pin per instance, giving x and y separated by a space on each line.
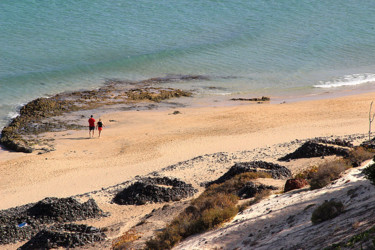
208 92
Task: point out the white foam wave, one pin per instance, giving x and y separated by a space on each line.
12 115
348 80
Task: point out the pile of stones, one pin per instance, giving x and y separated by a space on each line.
63 210
23 222
337 141
312 149
65 235
251 189
153 190
275 170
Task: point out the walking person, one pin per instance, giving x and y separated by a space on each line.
91 126
100 126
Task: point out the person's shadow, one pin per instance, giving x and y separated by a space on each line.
76 138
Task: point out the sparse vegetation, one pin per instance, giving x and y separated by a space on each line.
236 183
369 172
124 241
204 213
328 210
322 175
359 155
366 238
213 207
307 174
326 173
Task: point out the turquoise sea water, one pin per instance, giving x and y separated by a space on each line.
262 47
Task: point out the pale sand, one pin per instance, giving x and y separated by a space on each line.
145 141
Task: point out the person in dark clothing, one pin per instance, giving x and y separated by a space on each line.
100 126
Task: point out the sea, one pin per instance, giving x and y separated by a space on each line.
248 48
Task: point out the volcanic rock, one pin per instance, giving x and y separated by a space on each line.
149 190
67 236
251 189
337 141
65 209
23 222
275 170
292 184
312 149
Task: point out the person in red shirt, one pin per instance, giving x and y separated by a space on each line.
91 126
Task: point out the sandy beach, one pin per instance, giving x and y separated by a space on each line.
140 142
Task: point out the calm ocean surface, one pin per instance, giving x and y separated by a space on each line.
261 47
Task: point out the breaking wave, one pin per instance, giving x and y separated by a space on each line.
347 80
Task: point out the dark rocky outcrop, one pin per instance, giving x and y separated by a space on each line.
152 190
337 142
66 236
26 123
64 209
251 189
23 222
312 149
275 170
36 116
292 184
256 99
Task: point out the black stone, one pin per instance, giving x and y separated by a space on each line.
146 190
312 149
250 190
275 170
67 236
23 222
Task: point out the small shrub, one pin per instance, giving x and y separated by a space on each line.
357 241
217 204
307 174
205 212
369 173
234 184
326 173
125 240
328 210
359 155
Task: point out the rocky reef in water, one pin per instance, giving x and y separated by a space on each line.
37 116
